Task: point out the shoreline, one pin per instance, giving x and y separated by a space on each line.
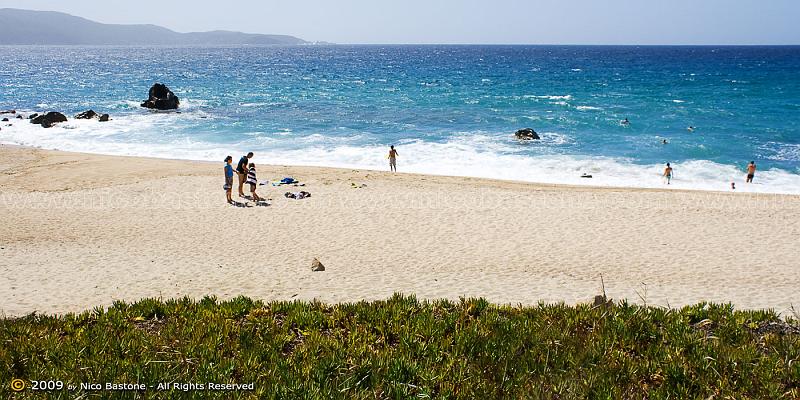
110 228
420 174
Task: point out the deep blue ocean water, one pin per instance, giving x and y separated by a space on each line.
449 109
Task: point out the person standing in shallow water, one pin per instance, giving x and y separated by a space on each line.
241 170
228 179
392 159
668 174
751 171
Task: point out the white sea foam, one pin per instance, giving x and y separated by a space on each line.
467 160
190 103
549 97
781 151
588 108
478 154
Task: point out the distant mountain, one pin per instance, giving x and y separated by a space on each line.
55 28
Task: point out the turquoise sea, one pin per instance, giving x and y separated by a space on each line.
449 109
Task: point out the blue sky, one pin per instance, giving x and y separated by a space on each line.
463 21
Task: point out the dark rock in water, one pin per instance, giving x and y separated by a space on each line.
104 118
5 119
161 98
527 134
86 115
586 176
49 119
32 116
20 116
8 112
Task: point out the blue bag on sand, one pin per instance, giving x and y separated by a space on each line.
288 180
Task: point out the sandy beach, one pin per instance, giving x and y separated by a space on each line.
82 230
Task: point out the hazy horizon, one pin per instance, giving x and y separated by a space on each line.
571 22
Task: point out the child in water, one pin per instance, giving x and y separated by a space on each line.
668 173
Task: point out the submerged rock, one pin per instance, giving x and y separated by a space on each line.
49 119
89 114
527 134
161 98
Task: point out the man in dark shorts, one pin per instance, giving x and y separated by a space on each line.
751 171
241 170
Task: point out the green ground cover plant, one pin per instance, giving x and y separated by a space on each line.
404 348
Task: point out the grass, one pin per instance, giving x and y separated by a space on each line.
403 348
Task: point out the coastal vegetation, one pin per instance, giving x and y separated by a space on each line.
403 348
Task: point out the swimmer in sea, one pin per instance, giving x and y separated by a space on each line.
690 129
664 141
668 174
625 121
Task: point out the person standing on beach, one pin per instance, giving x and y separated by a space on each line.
228 179
253 182
668 173
751 171
392 159
241 170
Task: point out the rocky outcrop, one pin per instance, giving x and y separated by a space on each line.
527 134
8 112
34 115
49 119
5 119
89 114
161 98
